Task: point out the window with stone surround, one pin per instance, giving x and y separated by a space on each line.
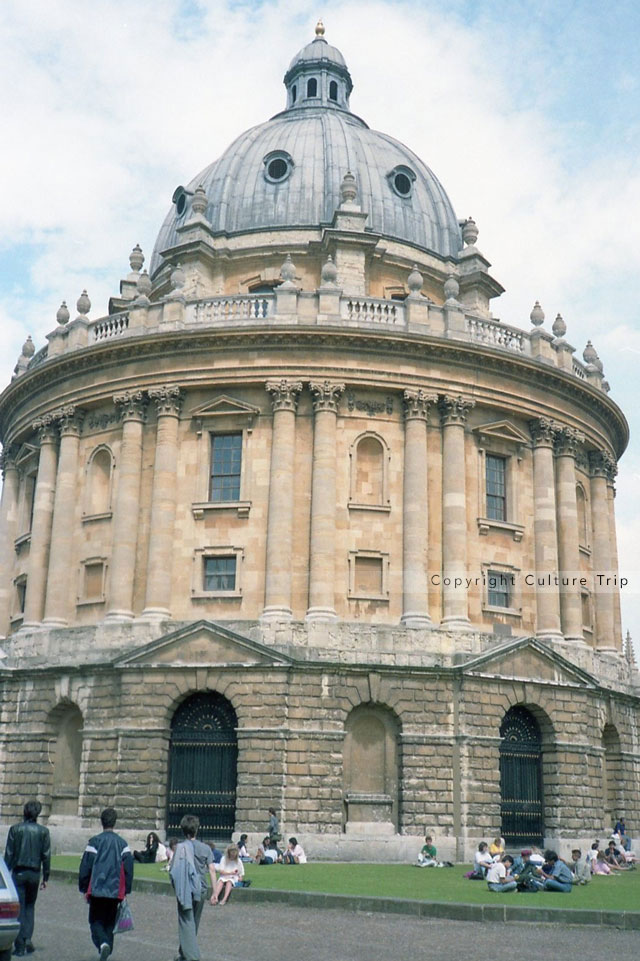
92 580
583 524
498 589
502 589
369 575
20 595
217 572
587 624
501 448
496 481
226 466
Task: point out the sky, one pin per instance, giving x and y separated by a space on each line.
528 113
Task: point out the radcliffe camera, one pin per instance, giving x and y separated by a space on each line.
308 543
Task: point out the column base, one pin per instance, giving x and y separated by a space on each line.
455 623
575 639
274 613
550 637
321 614
31 626
54 622
416 621
155 614
119 616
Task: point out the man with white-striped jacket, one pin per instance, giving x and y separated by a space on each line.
106 876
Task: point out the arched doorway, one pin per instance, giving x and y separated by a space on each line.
371 774
203 758
66 757
521 804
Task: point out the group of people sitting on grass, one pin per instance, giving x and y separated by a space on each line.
534 871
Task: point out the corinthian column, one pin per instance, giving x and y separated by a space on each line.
42 519
415 522
56 611
454 412
322 548
168 401
280 520
613 542
131 405
8 529
567 443
548 627
600 466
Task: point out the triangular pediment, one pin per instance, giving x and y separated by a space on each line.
502 430
202 644
528 659
225 406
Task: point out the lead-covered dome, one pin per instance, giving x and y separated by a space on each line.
287 172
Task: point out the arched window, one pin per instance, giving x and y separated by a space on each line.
611 762
371 774
312 87
333 90
521 804
65 757
203 759
99 482
583 531
368 468
294 93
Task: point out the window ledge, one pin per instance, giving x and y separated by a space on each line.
241 507
384 598
23 539
486 524
208 595
105 516
17 619
509 611
86 601
584 550
353 506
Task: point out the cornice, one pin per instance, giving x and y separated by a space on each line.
469 356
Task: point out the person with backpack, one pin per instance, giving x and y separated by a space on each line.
105 878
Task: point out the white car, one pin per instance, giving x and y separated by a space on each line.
9 911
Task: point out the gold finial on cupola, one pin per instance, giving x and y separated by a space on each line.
319 29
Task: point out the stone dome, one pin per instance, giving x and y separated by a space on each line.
286 172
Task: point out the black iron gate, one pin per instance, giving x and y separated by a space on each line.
203 766
521 805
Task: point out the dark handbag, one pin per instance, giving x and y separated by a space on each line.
124 918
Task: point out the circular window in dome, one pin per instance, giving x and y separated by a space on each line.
277 166
401 180
180 197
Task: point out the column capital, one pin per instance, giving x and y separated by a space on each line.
284 393
543 431
326 396
568 441
168 399
417 402
602 464
46 428
8 458
454 408
132 404
70 420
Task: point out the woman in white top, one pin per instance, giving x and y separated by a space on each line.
482 859
295 853
231 871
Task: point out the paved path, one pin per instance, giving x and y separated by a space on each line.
269 932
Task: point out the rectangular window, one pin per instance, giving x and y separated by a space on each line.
226 461
21 594
93 581
499 589
496 488
220 573
586 611
368 576
29 500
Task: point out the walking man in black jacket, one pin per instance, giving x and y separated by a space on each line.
28 848
106 876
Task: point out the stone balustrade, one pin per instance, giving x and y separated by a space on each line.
306 308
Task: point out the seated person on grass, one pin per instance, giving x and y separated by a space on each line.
600 866
528 877
427 857
482 859
294 853
616 861
557 877
268 852
242 849
231 871
621 830
499 877
580 867
496 848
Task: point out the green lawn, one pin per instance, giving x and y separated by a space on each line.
620 892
